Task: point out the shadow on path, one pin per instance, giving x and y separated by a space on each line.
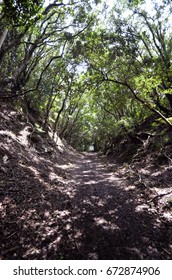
110 221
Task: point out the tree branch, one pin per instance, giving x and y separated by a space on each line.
145 103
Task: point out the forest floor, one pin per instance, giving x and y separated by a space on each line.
116 218
56 203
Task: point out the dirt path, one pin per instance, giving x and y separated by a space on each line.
57 204
111 220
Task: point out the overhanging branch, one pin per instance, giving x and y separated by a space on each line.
145 103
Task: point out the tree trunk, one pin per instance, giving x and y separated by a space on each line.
58 116
48 109
169 97
3 37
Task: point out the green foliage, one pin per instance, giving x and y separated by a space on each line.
92 75
162 121
135 2
20 12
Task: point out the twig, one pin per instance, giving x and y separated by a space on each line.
159 195
11 235
10 250
167 252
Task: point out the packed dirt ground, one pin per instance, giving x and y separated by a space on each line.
56 203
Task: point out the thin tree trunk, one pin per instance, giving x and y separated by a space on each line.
3 37
48 109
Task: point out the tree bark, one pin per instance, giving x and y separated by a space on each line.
169 97
3 37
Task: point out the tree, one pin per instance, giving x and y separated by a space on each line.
49 34
20 12
140 63
91 77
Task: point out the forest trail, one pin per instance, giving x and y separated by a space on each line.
111 219
69 78
56 203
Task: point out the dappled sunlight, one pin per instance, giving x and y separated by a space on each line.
105 224
68 189
101 202
130 188
9 134
54 223
74 206
86 172
78 234
141 208
67 166
55 178
58 217
21 138
168 216
114 208
62 214
35 172
157 173
24 136
94 76
92 182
